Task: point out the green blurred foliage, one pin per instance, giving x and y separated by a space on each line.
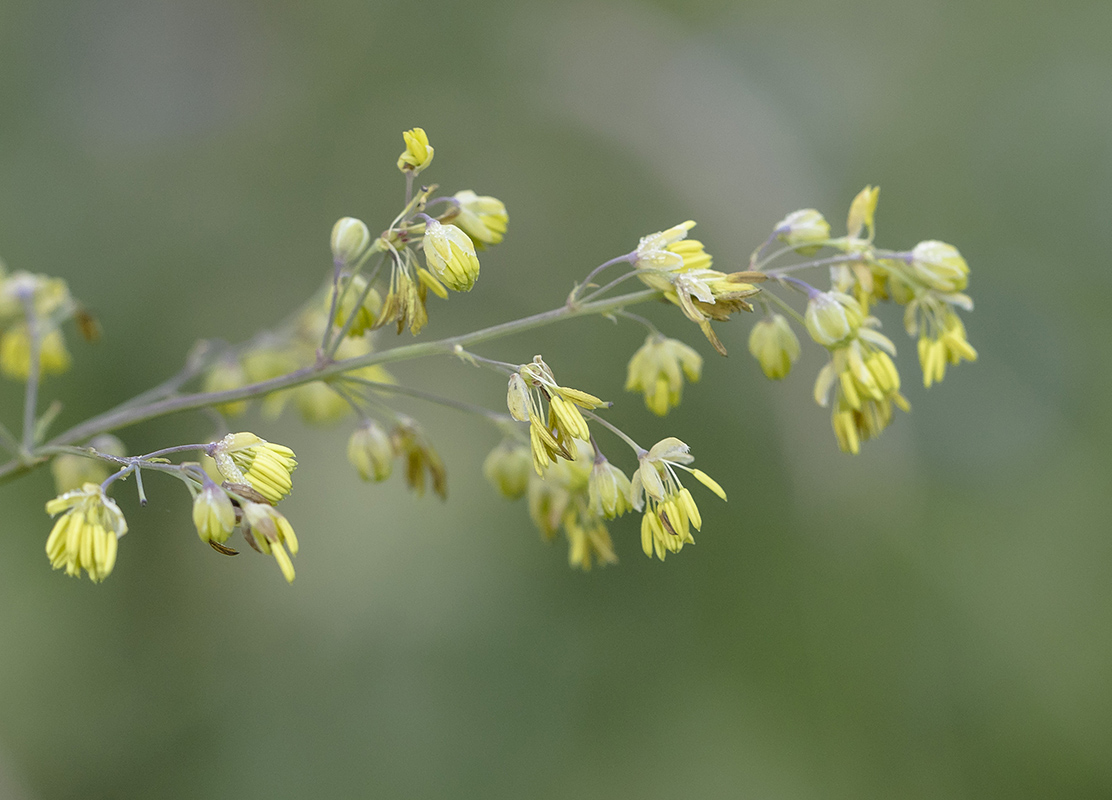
929 619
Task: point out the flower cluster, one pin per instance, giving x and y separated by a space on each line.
326 361
32 310
927 280
680 268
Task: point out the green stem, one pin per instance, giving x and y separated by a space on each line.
124 416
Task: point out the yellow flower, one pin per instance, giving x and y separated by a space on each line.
350 238
370 452
410 442
806 230
450 256
418 152
227 374
86 536
72 471
832 318
270 532
866 385
351 290
214 516
939 266
944 341
50 297
506 467
680 268
775 346
657 370
669 509
15 353
608 489
861 213
653 250
561 499
528 388
483 218
244 458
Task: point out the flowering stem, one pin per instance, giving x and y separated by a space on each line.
820 262
784 306
638 318
410 391
125 415
603 290
586 281
31 398
616 431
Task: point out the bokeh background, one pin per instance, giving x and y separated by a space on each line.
929 619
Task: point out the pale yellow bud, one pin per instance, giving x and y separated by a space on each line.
15 353
940 266
213 514
350 238
608 490
806 230
450 256
517 398
862 211
832 317
482 218
370 452
508 467
775 346
418 152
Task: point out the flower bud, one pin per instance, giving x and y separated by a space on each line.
418 152
482 218
508 467
450 256
350 238
213 514
832 317
370 452
862 211
608 489
517 398
775 346
15 353
940 266
806 230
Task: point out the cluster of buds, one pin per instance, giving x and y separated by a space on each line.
927 280
254 476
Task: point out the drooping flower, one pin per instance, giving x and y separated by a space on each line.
669 509
370 452
775 346
483 218
553 437
85 537
657 370
270 532
214 516
245 458
450 256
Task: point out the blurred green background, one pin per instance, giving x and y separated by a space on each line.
929 619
